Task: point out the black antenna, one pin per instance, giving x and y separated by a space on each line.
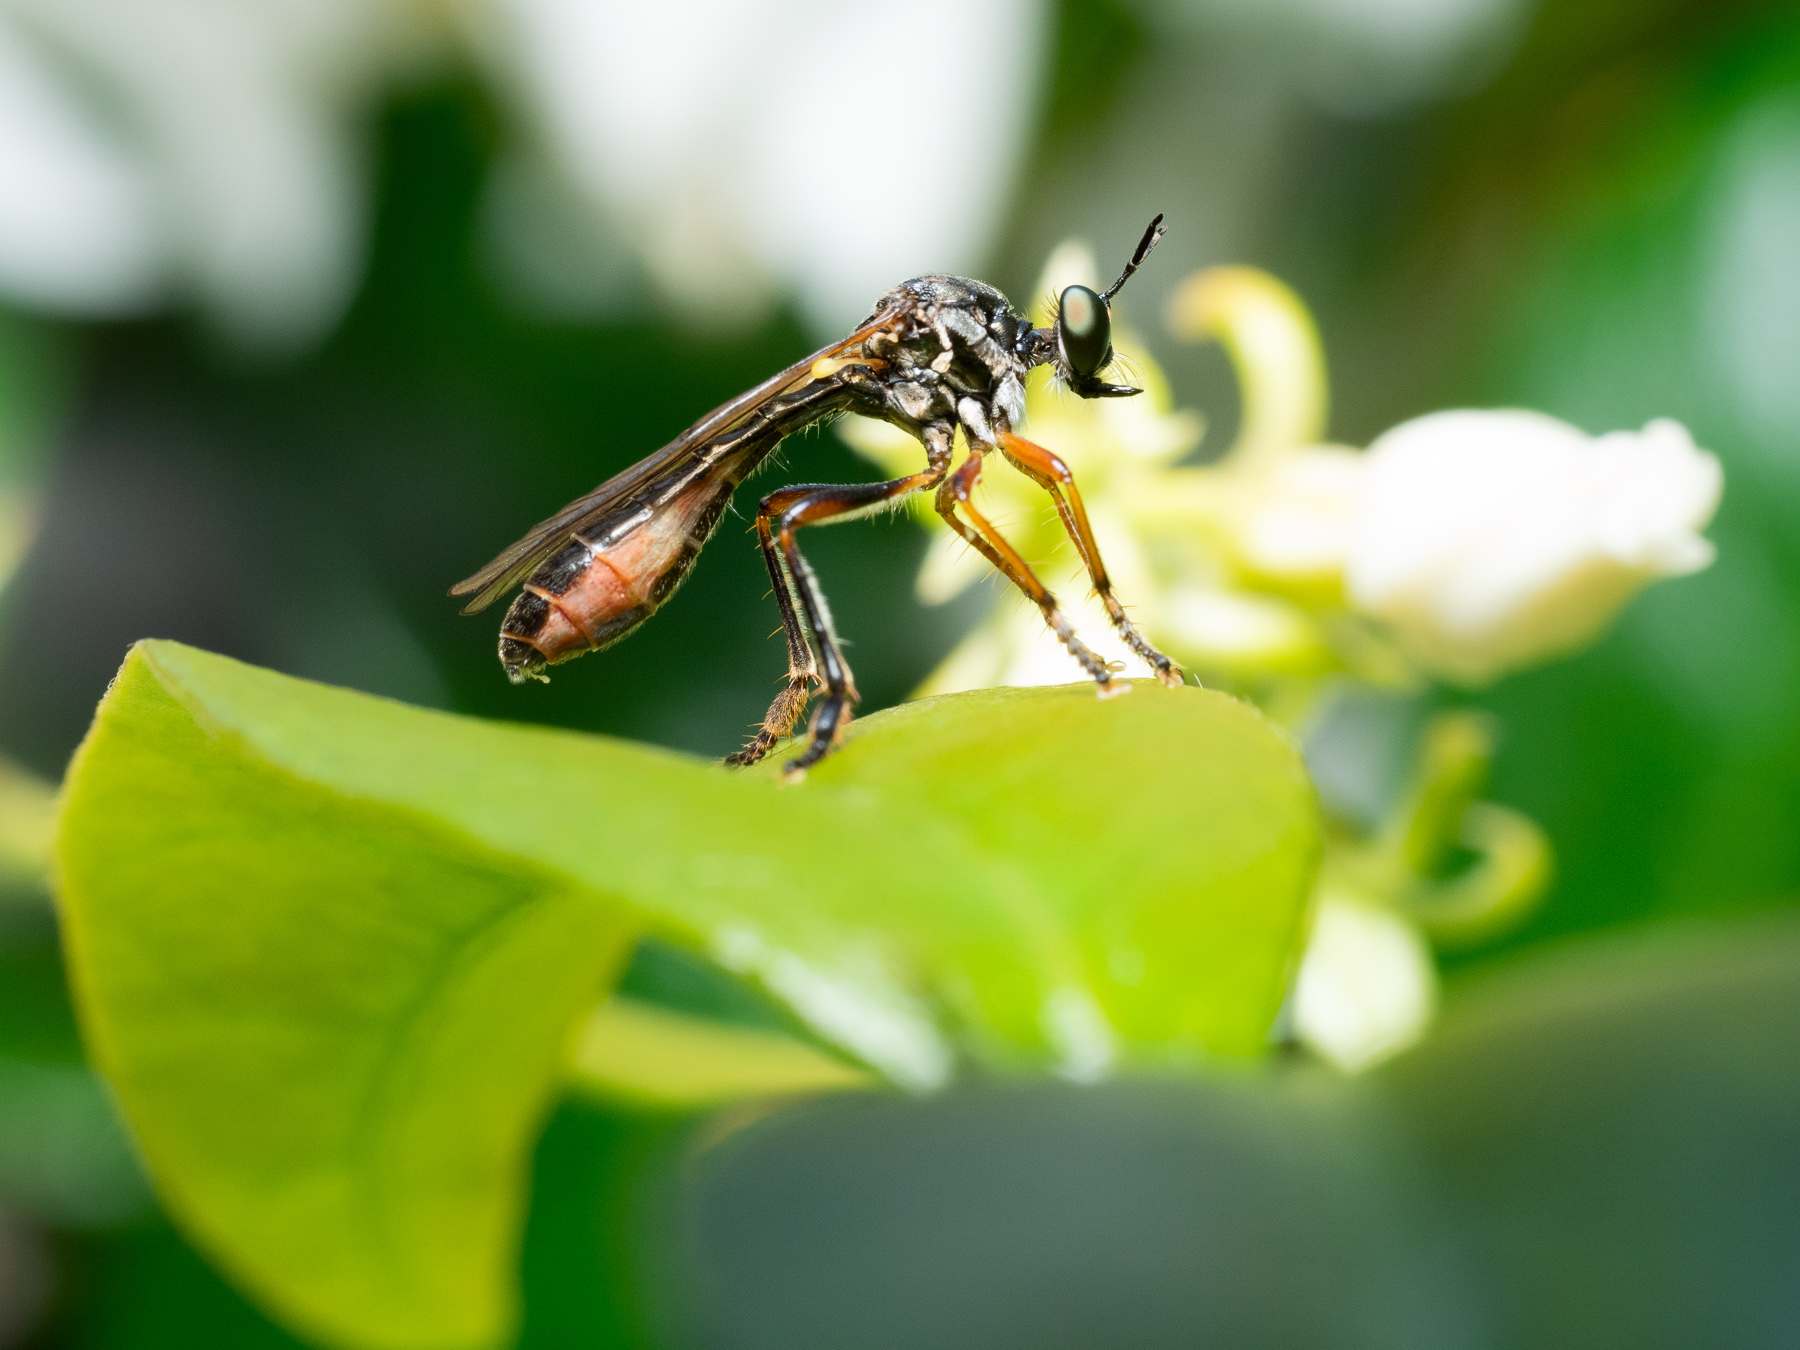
1147 243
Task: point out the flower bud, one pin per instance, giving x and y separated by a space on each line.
1489 541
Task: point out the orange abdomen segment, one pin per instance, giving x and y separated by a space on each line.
585 598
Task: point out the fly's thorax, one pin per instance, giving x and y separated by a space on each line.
958 345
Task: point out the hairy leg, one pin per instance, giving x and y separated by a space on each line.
954 496
1048 470
803 669
815 655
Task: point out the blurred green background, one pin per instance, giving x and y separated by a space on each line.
1591 207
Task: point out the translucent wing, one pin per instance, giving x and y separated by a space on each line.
622 491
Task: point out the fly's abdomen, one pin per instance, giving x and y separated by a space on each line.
588 597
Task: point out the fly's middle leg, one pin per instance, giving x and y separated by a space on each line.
1049 472
954 496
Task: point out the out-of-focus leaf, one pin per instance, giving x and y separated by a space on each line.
638 1052
1598 1146
64 1158
27 825
1615 1129
329 949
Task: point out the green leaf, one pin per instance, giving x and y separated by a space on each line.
640 1054
331 950
1153 852
333 1028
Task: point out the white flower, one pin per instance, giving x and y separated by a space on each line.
75 221
1477 542
208 145
1489 541
721 138
1367 986
216 150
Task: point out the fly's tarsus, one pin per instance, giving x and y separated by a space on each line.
783 716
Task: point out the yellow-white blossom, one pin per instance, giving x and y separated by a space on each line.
1167 531
1462 545
1444 869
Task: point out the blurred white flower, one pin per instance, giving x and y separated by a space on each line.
216 150
77 230
1463 545
743 148
1367 986
225 137
1490 541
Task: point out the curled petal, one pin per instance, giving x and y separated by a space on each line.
1274 347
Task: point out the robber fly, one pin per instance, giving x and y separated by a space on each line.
937 354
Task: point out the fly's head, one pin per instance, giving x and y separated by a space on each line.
956 351
1079 343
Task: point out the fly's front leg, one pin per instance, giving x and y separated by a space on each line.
815 654
955 494
1049 472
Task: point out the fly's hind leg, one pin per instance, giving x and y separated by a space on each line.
803 670
814 652
955 495
1049 472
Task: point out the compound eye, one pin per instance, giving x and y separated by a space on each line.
1085 330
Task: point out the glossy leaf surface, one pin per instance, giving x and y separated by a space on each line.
331 949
